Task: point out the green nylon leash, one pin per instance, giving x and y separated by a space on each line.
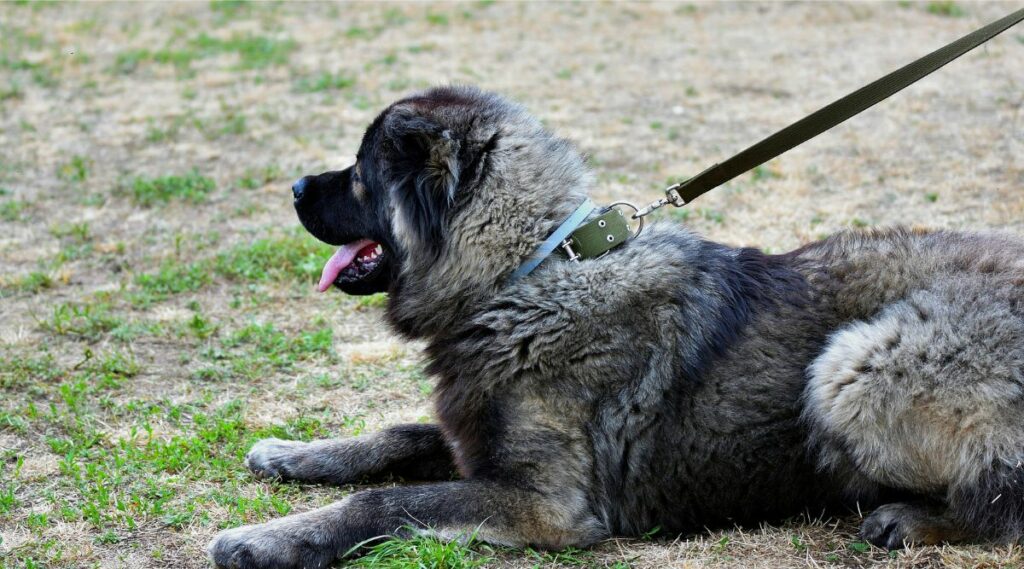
609 229
828 116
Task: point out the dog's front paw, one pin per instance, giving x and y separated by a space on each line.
276 458
267 547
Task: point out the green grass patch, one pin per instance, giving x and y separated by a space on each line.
75 170
760 173
230 8
128 61
257 350
422 552
159 134
173 277
259 177
945 8
325 82
77 232
295 256
40 73
88 321
437 19
20 369
11 92
11 210
356 32
116 483
378 300
191 187
253 52
76 241
31 283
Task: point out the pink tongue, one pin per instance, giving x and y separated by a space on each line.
339 260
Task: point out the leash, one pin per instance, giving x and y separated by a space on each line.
827 117
610 229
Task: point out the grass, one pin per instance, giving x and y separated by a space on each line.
945 8
437 18
191 187
173 277
115 483
325 81
296 255
258 177
83 320
292 257
252 52
76 170
11 210
31 283
422 552
257 350
11 92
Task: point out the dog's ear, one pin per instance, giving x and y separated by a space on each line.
425 157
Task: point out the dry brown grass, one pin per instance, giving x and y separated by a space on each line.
94 96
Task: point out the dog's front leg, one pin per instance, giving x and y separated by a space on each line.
489 510
415 452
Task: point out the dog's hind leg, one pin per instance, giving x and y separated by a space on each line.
991 507
928 398
922 522
485 510
414 452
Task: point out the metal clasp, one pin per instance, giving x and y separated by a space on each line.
671 197
636 215
567 247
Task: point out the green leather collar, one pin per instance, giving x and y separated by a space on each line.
579 240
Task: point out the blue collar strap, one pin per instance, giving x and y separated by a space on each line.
555 239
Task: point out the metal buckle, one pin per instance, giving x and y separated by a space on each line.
567 247
671 197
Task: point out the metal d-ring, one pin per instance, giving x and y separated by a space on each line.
636 210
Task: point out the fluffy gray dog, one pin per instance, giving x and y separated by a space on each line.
673 383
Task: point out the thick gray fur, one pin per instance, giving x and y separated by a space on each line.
674 383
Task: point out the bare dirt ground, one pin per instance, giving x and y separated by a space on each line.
157 312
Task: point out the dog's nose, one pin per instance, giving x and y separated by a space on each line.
299 188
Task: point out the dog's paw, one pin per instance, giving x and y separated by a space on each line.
267 547
276 458
893 526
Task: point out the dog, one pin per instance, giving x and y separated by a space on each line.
673 383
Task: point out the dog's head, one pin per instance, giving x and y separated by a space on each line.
451 190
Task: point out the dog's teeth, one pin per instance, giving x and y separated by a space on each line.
378 251
374 255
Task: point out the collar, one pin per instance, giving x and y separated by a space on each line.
580 240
